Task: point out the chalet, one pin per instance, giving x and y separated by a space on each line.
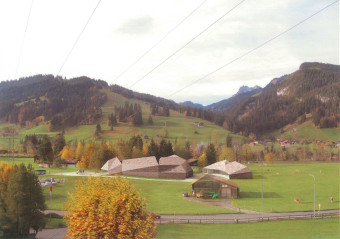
113 166
215 184
233 170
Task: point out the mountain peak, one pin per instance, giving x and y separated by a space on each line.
244 89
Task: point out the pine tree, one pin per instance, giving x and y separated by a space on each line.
45 150
24 201
211 154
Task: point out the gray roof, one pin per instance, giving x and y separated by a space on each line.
138 163
229 168
111 164
171 160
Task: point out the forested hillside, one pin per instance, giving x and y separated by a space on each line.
314 88
62 102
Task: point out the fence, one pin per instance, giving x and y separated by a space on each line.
243 220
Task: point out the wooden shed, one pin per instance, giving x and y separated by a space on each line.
208 184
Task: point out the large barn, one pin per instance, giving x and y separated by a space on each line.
168 167
215 184
233 170
147 167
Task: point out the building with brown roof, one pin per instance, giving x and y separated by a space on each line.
113 166
174 167
168 167
233 170
147 167
209 184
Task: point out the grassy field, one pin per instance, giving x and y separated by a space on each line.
162 197
285 181
308 131
301 229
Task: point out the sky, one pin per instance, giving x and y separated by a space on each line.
120 32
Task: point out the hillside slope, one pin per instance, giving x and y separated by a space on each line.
314 88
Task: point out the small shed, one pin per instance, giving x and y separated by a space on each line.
113 166
215 184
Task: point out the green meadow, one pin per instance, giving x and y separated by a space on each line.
283 182
302 229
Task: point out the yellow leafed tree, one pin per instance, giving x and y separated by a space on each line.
107 208
67 153
202 161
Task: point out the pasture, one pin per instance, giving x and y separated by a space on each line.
285 181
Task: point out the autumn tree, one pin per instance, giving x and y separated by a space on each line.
67 153
269 157
5 174
202 161
79 150
108 208
227 154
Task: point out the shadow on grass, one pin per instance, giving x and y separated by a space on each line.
258 195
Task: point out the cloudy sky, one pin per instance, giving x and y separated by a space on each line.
120 32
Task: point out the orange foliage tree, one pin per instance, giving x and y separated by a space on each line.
67 153
107 208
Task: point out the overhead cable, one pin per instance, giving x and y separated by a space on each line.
166 59
75 43
23 41
254 49
158 42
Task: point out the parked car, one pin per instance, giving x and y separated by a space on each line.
156 216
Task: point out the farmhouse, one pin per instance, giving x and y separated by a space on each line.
208 184
174 167
113 166
234 170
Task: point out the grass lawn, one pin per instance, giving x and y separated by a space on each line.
301 229
285 181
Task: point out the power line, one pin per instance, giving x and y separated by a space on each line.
254 49
156 44
166 59
23 40
75 43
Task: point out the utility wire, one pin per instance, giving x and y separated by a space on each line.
23 41
75 43
156 44
166 59
252 50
